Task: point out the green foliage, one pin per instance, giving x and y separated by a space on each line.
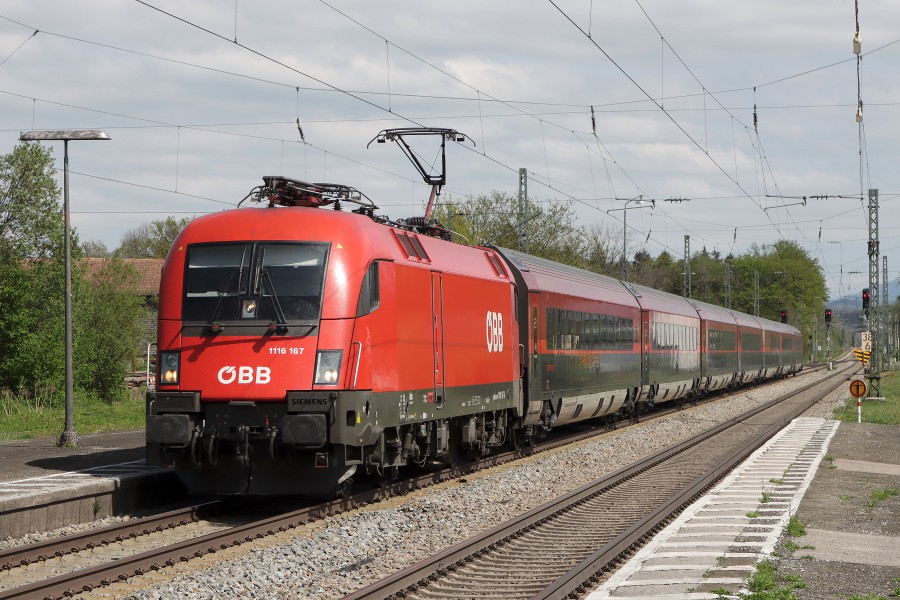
795 527
151 240
879 495
106 312
32 324
94 249
876 411
107 315
765 584
44 416
553 234
788 277
30 212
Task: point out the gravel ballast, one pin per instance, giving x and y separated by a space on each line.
340 554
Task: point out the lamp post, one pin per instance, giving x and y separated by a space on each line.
638 200
68 437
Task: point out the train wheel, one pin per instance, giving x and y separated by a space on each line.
451 458
344 489
611 422
522 439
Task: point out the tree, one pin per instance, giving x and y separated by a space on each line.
788 279
662 273
31 270
108 322
94 249
601 254
30 214
151 240
494 219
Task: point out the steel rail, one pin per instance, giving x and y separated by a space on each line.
580 578
16 556
432 568
86 579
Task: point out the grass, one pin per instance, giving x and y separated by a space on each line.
767 584
869 596
28 418
766 497
880 495
873 411
795 527
752 515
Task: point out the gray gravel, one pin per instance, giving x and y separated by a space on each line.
40 536
336 556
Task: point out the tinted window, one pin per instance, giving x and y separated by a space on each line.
269 282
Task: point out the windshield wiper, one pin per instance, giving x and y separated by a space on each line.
279 314
213 322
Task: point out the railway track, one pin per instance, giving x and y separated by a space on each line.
66 566
562 549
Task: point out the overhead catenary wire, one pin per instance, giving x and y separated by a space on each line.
663 110
597 151
547 184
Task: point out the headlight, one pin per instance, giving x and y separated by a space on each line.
168 368
328 366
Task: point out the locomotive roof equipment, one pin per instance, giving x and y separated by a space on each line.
436 181
284 191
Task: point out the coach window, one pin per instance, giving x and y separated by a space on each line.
550 327
370 294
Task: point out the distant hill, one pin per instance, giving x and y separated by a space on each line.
854 301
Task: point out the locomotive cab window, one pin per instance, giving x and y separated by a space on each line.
370 294
254 282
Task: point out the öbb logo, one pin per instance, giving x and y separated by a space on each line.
494 332
230 374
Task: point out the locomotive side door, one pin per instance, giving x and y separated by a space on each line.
437 311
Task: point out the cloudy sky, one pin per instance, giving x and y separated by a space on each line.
201 99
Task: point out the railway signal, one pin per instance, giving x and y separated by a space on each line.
828 316
784 315
865 298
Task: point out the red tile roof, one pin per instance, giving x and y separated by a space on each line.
149 271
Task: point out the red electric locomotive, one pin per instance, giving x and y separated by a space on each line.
300 345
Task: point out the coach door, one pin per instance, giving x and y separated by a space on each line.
437 309
646 345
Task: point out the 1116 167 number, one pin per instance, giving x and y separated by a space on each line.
283 350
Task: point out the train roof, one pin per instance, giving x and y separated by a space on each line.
713 312
542 275
653 299
355 239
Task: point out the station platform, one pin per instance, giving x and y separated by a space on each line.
43 486
820 471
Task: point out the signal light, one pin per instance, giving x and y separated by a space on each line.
865 298
783 315
828 316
